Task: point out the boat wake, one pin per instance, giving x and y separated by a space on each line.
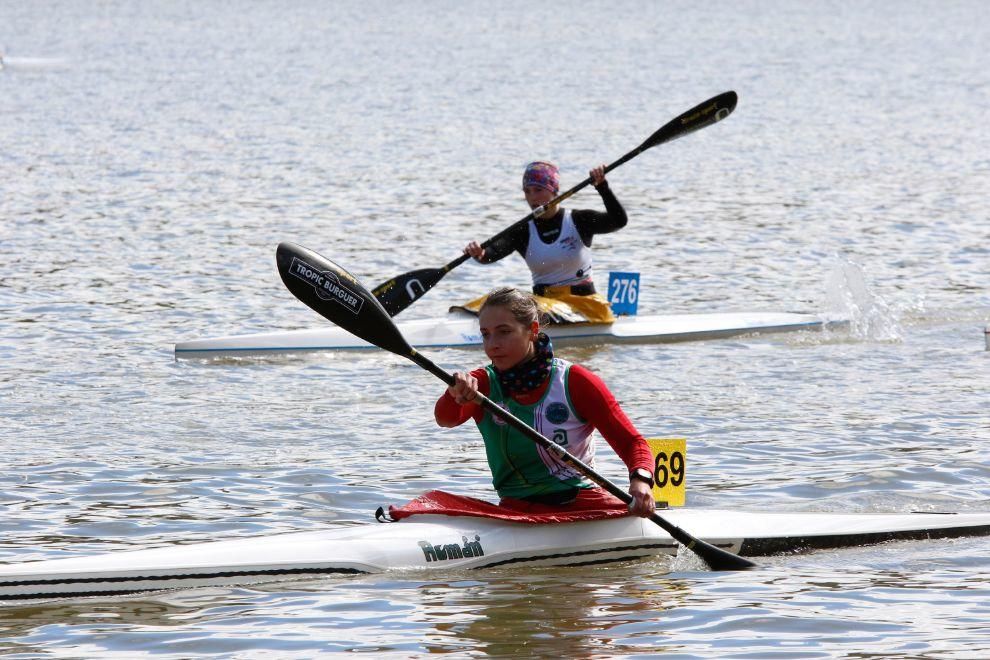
870 317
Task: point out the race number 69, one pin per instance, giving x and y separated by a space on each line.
669 469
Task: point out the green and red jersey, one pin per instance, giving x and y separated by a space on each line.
567 408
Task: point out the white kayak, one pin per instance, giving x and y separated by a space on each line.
461 330
444 543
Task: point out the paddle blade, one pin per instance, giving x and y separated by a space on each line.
704 114
335 294
399 292
719 559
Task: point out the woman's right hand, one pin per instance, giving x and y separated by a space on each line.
472 249
465 388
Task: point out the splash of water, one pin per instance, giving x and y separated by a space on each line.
686 561
870 317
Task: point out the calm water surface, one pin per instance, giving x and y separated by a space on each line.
154 154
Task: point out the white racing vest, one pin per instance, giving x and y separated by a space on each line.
565 261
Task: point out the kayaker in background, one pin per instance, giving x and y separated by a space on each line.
557 245
563 401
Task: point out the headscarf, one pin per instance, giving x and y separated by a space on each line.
542 175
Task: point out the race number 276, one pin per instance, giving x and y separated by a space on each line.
623 293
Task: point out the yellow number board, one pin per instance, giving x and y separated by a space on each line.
669 469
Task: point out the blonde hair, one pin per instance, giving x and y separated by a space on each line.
520 304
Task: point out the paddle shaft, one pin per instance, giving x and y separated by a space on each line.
570 459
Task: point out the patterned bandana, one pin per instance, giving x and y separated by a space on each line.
542 175
529 375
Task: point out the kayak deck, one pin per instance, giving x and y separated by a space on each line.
461 330
437 542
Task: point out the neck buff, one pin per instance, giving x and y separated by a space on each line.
529 374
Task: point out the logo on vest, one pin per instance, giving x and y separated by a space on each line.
557 413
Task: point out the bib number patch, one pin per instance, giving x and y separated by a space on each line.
669 469
623 293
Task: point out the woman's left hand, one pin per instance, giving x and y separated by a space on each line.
597 176
642 503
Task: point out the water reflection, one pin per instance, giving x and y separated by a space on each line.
557 613
560 612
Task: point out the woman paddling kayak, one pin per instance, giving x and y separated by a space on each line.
564 401
557 245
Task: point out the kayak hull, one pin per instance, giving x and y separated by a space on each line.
461 330
445 543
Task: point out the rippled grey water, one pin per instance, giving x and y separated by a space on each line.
153 154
